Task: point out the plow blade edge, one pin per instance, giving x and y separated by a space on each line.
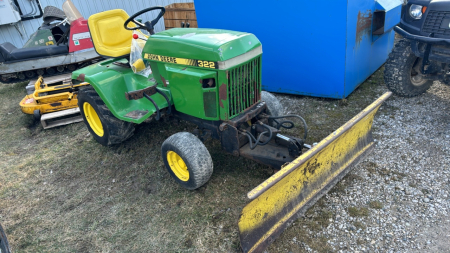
287 195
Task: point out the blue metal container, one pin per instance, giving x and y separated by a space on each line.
314 48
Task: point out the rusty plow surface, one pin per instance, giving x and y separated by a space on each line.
287 195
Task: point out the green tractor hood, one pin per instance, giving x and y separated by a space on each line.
205 44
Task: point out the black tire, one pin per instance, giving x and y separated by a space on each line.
37 115
401 73
114 130
40 72
21 76
30 74
51 71
274 107
71 67
195 156
5 79
4 245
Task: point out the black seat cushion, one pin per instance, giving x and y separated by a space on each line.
11 53
5 50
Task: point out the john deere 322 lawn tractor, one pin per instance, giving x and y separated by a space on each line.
213 79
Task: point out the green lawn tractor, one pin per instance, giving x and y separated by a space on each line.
213 78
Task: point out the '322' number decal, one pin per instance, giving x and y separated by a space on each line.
207 64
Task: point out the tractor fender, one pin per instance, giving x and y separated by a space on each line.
113 80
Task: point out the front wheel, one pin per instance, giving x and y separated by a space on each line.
402 72
101 123
187 160
274 107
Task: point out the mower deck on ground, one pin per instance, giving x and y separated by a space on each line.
54 103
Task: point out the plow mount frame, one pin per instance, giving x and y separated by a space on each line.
288 194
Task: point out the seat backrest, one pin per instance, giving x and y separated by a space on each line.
109 36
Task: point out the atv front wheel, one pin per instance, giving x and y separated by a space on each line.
187 160
101 123
402 72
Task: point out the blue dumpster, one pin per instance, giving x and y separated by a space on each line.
314 48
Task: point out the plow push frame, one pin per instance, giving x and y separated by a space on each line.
288 194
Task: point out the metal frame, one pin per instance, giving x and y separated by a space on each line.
278 151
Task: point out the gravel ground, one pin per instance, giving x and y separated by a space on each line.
399 197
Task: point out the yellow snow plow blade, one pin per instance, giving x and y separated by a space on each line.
287 195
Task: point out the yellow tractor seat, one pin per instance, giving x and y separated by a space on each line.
109 36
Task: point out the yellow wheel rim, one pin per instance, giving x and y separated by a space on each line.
93 119
178 166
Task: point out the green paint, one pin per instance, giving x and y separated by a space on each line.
40 38
210 103
201 44
111 82
186 88
234 89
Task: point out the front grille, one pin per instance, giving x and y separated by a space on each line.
244 86
433 23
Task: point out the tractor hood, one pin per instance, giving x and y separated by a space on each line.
205 44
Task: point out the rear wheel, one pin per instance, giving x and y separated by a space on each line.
101 123
402 72
187 160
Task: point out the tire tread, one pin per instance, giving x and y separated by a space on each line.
397 71
119 130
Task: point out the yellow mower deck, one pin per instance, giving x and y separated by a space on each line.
297 186
49 98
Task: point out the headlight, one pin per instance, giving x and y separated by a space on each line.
415 11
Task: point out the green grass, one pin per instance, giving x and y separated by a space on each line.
60 191
359 225
375 204
358 211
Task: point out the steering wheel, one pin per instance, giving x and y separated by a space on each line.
149 25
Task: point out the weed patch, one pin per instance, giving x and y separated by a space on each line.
358 211
375 204
359 225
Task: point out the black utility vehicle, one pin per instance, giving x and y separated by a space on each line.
423 55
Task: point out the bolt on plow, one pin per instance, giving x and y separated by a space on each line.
287 195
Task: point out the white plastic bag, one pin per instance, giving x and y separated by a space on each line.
136 62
